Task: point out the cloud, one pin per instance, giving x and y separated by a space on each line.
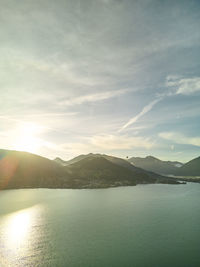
82 52
107 142
93 97
39 114
182 86
180 138
185 86
146 109
114 142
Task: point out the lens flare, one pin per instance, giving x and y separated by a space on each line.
26 139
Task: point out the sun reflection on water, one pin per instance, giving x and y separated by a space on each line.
18 227
18 235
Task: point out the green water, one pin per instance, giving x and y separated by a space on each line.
149 225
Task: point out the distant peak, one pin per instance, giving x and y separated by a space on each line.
151 157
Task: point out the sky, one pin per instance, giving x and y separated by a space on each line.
101 76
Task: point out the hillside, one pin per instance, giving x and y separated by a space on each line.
156 165
116 169
61 161
191 168
26 170
74 160
119 161
97 172
23 170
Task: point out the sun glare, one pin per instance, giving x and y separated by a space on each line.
26 139
18 226
17 231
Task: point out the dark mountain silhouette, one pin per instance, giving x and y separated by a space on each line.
103 170
140 175
191 168
115 160
156 165
98 172
26 170
22 170
76 159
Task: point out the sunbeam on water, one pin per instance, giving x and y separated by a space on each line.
16 233
18 227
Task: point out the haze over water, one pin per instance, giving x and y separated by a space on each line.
151 225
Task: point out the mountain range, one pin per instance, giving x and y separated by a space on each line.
191 168
156 165
26 170
189 171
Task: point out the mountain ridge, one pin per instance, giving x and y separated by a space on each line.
173 168
25 170
168 168
133 175
151 163
191 168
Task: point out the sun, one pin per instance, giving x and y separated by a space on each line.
26 138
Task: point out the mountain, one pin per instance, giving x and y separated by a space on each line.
60 161
23 169
156 165
89 161
97 171
26 170
76 159
191 168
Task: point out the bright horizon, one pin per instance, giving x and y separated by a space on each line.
105 76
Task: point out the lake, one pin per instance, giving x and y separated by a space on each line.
139 226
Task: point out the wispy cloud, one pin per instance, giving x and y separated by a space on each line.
146 109
93 97
185 86
33 115
107 142
114 142
180 138
76 55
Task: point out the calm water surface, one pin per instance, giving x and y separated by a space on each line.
150 225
